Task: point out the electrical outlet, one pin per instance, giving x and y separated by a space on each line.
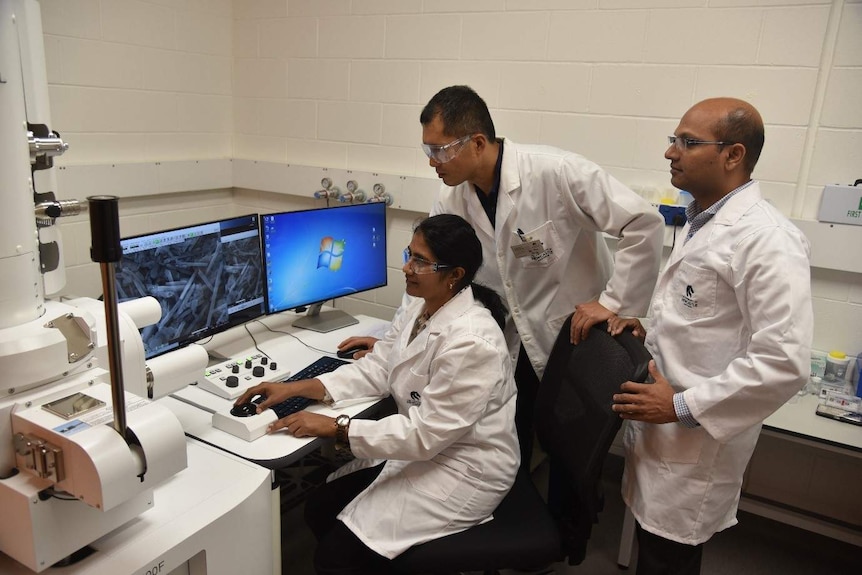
673 215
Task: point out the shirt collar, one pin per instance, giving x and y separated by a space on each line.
697 218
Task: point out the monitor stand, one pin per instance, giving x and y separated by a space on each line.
326 321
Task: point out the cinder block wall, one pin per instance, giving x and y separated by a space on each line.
340 83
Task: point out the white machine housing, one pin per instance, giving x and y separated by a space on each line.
74 481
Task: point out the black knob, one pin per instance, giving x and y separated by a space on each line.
273 366
264 360
248 364
104 228
231 381
235 368
257 371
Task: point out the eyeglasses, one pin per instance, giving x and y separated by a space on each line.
419 265
446 152
686 143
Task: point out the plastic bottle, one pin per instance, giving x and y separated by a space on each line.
836 366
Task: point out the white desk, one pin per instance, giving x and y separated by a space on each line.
796 420
294 353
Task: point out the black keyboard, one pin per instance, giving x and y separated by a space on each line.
292 405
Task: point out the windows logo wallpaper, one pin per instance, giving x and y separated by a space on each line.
314 255
331 254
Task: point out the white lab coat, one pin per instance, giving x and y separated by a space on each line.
565 201
451 451
731 327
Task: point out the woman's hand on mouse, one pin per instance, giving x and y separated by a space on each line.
273 392
305 424
366 342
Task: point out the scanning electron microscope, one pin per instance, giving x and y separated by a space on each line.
94 474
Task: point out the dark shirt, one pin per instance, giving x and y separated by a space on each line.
489 201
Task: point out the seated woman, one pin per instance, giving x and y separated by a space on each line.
448 457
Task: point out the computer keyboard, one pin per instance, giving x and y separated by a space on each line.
292 405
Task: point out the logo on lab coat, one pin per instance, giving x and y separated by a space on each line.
415 399
689 300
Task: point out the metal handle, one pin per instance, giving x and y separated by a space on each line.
106 249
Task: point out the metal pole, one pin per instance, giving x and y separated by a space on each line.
105 242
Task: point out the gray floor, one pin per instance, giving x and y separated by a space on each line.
756 546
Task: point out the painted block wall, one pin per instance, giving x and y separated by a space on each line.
340 83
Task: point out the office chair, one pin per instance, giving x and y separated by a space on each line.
575 426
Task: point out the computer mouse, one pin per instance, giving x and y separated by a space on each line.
347 353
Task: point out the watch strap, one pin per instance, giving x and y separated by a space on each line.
342 426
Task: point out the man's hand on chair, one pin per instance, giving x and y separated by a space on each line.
650 402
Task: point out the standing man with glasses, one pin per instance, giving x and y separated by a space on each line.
540 213
730 330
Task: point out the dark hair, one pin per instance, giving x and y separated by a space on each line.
462 111
743 125
454 242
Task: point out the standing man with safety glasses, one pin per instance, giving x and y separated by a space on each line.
730 330
540 213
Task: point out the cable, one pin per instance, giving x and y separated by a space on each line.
251 335
678 221
317 349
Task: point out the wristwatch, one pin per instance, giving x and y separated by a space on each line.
342 424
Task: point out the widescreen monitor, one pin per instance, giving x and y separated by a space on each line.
206 277
311 256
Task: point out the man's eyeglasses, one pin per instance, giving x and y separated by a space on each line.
446 152
686 143
418 265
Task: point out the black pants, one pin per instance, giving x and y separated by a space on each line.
339 551
528 386
660 556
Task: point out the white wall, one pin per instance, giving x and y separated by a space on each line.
340 84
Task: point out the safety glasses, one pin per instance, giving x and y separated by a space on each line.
683 144
446 152
418 265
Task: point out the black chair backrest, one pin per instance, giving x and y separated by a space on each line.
573 418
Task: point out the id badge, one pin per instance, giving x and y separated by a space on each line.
531 249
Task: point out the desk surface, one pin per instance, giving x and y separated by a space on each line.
291 351
797 418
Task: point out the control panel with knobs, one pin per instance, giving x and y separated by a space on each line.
229 379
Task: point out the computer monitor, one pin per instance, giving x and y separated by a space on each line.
206 277
311 256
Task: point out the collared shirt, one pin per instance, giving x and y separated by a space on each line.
489 201
697 218
418 325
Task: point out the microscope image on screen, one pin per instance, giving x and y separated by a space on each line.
206 278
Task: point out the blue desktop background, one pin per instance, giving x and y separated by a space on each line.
297 274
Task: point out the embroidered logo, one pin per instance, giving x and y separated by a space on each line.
415 399
689 300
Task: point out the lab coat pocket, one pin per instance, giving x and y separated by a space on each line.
438 477
550 250
694 291
673 443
